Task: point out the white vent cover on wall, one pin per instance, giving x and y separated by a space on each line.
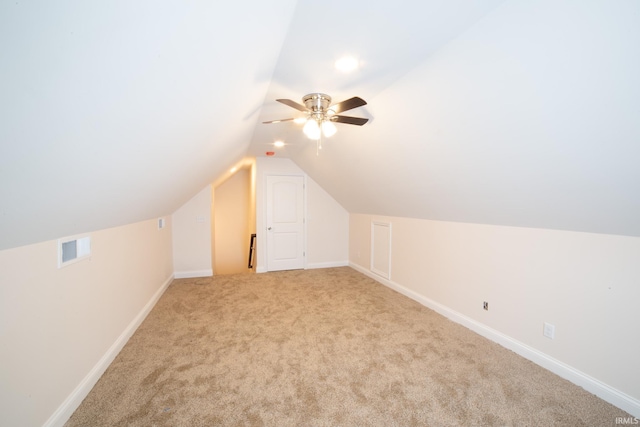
73 249
381 249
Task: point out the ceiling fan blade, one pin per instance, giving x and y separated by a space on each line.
349 104
278 121
349 120
293 104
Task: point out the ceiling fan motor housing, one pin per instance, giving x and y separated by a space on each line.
317 102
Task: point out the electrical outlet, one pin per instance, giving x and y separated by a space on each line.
485 305
549 330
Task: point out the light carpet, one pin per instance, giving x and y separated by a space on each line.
326 347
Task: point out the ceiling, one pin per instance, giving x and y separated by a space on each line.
498 112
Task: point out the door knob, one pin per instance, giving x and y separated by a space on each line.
269 228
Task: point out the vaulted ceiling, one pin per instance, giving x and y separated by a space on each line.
500 112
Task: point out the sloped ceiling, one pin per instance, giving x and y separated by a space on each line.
120 111
513 113
525 114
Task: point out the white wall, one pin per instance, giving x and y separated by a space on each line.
232 215
192 236
584 284
60 328
327 221
327 229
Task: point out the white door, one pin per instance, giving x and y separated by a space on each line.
285 222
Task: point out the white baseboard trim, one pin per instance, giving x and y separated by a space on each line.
193 273
331 264
592 385
71 403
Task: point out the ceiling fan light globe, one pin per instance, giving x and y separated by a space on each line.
311 129
328 129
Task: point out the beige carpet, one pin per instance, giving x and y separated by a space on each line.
321 348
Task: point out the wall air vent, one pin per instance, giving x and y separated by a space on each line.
73 249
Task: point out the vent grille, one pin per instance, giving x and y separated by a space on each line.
73 249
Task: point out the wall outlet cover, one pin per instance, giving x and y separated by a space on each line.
549 330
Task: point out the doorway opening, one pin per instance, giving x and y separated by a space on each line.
234 222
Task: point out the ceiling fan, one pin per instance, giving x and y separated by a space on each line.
321 115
